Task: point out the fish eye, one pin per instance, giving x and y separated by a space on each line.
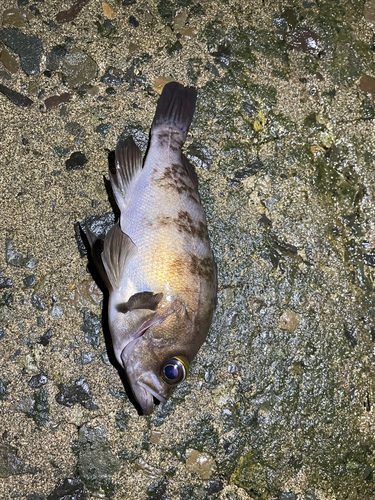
175 370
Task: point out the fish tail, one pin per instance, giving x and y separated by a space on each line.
175 109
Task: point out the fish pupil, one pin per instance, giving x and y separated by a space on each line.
171 371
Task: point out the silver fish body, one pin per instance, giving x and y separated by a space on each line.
157 262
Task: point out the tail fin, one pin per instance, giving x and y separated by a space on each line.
175 108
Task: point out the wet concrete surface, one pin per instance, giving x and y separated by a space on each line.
279 403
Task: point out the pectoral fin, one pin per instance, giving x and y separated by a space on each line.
141 300
118 250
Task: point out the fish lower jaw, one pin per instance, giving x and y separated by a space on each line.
153 393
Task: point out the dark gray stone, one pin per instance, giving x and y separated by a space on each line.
78 393
37 302
77 161
28 47
91 327
70 489
6 282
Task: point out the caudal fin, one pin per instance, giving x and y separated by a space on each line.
175 109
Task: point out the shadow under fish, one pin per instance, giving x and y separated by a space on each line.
156 261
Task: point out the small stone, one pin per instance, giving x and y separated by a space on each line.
17 18
214 486
37 302
78 393
78 68
6 282
28 47
367 84
57 100
2 333
55 56
133 21
304 40
75 129
10 464
38 380
70 489
40 411
370 11
103 129
87 357
15 97
289 320
45 338
65 16
155 437
4 391
105 358
56 311
9 61
91 328
108 12
201 463
29 281
113 78
77 161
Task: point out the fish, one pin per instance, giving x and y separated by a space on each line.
157 261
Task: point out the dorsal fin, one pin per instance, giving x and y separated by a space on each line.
118 250
141 300
190 170
128 162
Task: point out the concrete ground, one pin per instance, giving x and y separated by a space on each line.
279 403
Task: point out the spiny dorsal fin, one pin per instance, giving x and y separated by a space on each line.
175 108
190 170
128 163
141 300
118 250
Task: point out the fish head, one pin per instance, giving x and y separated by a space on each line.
158 361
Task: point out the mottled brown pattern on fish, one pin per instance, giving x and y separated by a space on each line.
174 178
184 224
170 138
201 267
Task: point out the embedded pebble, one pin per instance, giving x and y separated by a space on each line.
201 463
289 320
4 391
70 488
103 129
367 84
370 11
17 18
15 97
77 161
57 100
65 16
78 393
56 311
38 380
91 327
28 47
108 12
6 282
2 333
37 302
11 464
78 68
29 281
9 61
87 357
304 40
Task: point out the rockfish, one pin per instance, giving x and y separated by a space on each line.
157 261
